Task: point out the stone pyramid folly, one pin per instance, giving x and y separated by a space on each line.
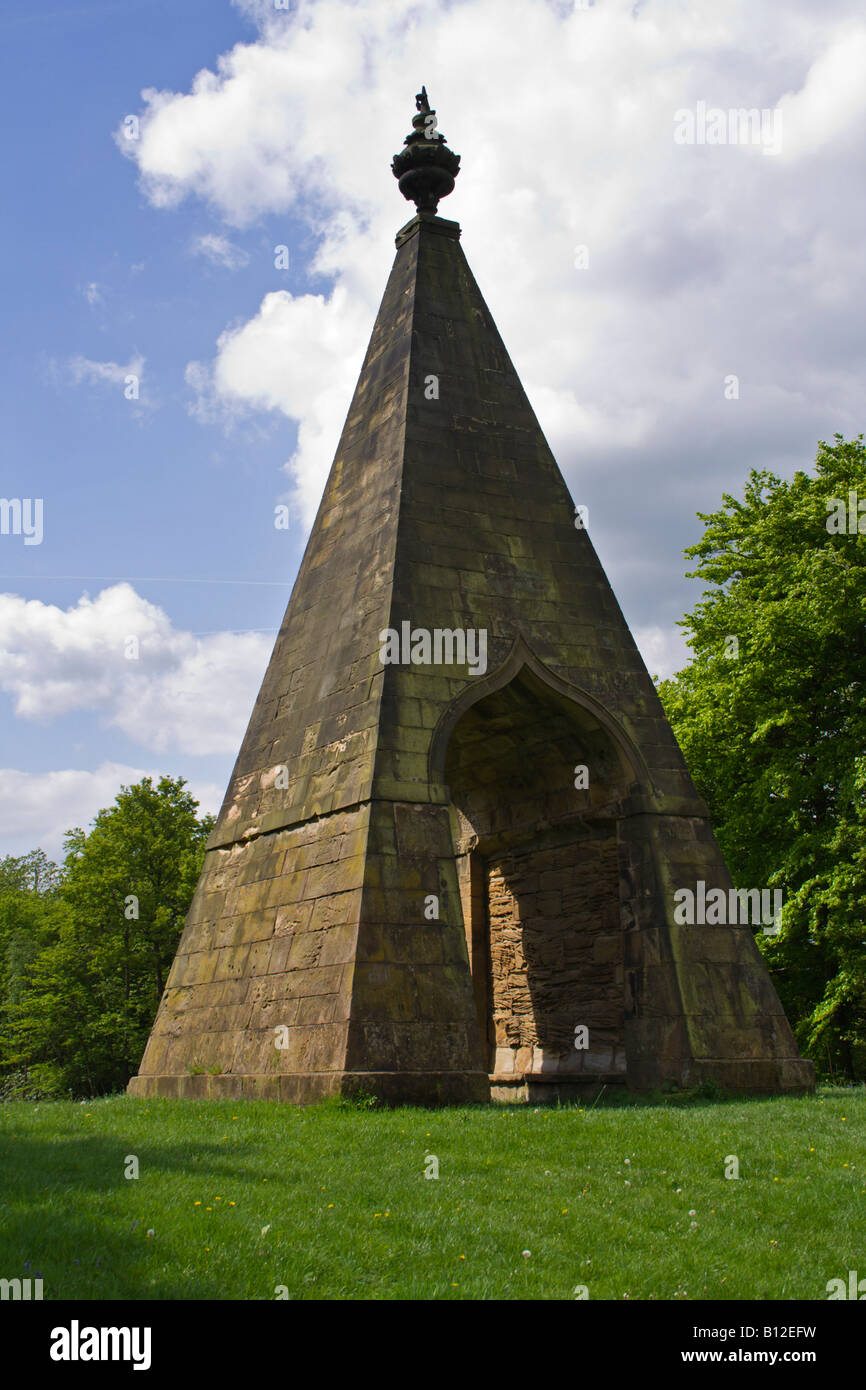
452 858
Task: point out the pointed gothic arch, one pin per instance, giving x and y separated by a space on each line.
537 852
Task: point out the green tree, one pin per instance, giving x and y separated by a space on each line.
31 913
771 718
90 996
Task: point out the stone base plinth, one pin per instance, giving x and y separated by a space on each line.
753 1076
786 1076
549 1089
305 1088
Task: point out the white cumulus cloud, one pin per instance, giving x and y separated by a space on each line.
699 263
117 654
37 809
664 650
219 251
83 370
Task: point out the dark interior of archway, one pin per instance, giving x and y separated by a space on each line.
538 865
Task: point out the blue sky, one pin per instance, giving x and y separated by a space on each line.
138 491
156 258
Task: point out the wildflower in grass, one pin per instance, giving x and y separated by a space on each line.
149 1234
692 1212
196 1204
232 1204
526 1254
330 1204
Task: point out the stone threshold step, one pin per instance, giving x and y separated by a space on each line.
519 1078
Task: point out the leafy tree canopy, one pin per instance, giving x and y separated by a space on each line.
771 718
83 1010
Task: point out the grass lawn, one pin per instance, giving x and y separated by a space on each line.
234 1199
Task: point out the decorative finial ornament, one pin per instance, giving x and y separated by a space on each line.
426 168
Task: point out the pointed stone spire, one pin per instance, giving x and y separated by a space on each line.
447 863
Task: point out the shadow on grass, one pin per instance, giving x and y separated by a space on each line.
702 1097
92 1254
88 1257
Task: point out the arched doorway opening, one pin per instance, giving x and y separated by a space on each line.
537 784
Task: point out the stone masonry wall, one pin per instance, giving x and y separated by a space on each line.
556 954
270 940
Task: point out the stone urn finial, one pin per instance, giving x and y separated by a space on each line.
426 168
